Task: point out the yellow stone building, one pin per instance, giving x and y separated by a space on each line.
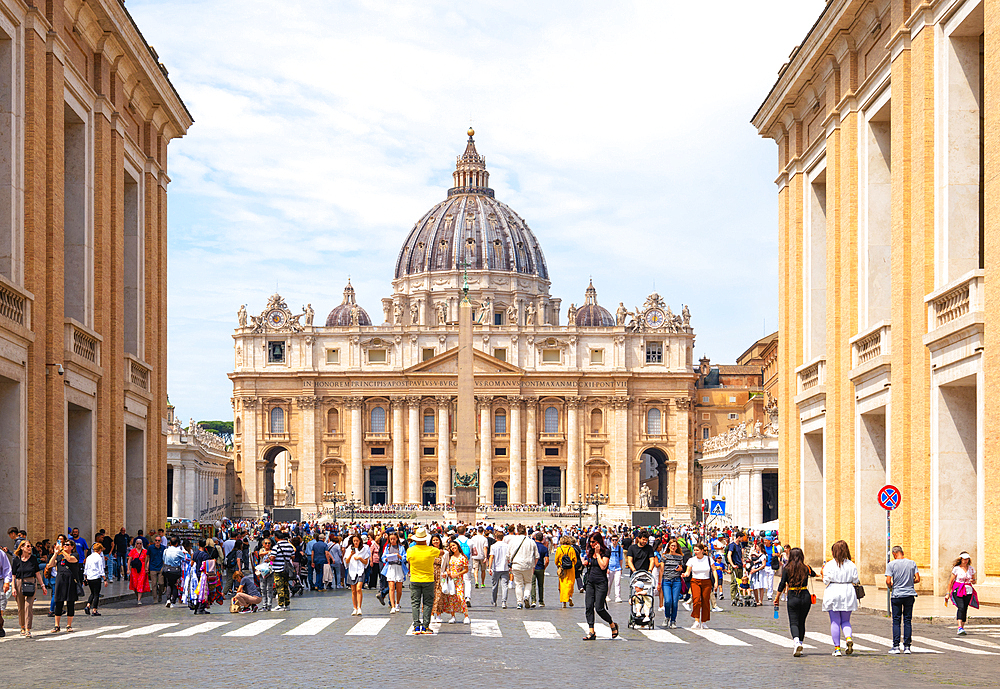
888 181
563 409
86 114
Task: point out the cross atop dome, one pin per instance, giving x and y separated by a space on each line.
471 175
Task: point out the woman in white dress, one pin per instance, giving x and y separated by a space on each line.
356 558
392 569
839 599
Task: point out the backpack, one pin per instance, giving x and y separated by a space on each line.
566 562
231 558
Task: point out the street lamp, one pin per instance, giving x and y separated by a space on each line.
352 505
597 499
334 497
579 506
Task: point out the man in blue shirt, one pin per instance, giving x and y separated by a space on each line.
319 555
734 558
156 581
538 577
81 544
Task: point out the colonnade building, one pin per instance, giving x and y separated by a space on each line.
889 204
565 407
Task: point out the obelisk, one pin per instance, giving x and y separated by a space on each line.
466 476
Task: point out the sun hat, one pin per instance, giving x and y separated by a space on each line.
421 535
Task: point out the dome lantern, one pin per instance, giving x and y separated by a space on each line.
471 175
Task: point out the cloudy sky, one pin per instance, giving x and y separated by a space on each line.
323 130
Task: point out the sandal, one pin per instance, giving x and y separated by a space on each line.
571 602
590 637
614 630
69 629
55 630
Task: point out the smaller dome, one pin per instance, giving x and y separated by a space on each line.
591 314
348 313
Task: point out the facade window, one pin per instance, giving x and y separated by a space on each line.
215 486
378 420
704 433
551 420
428 452
550 356
653 422
426 353
704 400
500 353
333 356
428 422
732 398
597 357
654 352
552 452
705 416
732 416
377 356
277 420
500 422
498 318
378 450
332 421
500 451
276 352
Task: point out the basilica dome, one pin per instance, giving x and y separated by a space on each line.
592 314
348 311
471 225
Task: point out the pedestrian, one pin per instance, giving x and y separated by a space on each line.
67 571
671 561
795 580
319 556
26 579
960 589
440 560
173 559
499 572
138 579
566 561
93 574
265 574
337 563
393 569
615 569
756 565
901 575
538 575
248 593
699 568
6 583
453 583
120 552
522 559
421 557
595 561
356 558
283 567
734 559
839 599
480 547
640 556
234 562
155 567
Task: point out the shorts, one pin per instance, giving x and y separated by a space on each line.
355 579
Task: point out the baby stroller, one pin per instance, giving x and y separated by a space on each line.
298 582
745 599
642 606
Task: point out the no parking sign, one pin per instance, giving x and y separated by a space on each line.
889 497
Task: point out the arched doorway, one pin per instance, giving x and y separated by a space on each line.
378 486
657 460
270 463
500 493
429 493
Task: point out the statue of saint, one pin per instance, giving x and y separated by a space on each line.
686 316
571 315
621 313
442 311
414 313
289 495
354 315
242 315
529 314
397 314
308 312
512 314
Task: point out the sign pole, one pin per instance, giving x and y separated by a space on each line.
888 556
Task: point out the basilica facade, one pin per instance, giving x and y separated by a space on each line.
565 407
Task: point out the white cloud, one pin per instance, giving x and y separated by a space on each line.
323 131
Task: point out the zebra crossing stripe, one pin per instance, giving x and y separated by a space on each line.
541 630
368 627
718 638
197 629
888 642
828 640
603 631
773 638
140 631
980 642
254 628
311 627
951 647
662 636
86 632
486 628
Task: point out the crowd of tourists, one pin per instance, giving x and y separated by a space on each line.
258 566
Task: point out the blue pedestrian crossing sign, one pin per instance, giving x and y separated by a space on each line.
717 508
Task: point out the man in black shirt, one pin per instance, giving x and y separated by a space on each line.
639 556
120 551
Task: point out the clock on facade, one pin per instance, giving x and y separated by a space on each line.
655 318
276 318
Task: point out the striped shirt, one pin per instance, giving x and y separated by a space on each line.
670 562
283 552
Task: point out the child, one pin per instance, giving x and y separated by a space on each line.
720 570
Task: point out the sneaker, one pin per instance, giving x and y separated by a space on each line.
619 600
906 650
798 651
253 608
453 620
504 606
168 605
704 625
96 614
961 631
850 646
894 651
466 620
673 625
715 608
392 611
696 625
687 606
541 605
837 653
520 607
381 598
86 611
278 608
534 605
245 611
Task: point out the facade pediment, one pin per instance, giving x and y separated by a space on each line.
446 363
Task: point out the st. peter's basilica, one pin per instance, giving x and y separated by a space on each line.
596 402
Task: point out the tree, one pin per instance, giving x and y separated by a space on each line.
223 429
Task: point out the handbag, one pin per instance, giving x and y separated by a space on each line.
809 586
234 606
27 587
79 591
859 591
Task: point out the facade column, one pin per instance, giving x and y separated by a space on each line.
756 498
357 437
683 501
250 435
531 454
485 405
413 445
573 446
743 498
515 451
178 497
398 435
310 485
191 494
444 446
621 458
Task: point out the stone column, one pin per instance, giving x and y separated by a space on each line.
413 444
531 454
683 487
251 485
356 471
743 512
573 447
311 495
191 494
178 496
621 459
756 498
485 405
515 450
398 436
444 446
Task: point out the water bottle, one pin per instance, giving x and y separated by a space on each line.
775 612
